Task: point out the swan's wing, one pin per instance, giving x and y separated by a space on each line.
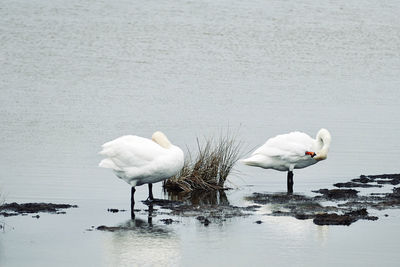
131 151
287 146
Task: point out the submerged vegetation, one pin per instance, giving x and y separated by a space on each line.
209 169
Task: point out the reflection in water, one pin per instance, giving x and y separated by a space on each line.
150 210
199 197
298 231
140 242
323 234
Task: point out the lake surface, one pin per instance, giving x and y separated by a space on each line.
75 74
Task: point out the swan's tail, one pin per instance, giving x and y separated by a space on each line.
255 160
107 163
249 161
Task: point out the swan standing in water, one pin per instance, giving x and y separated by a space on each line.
138 160
290 151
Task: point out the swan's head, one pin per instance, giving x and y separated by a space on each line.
324 141
161 139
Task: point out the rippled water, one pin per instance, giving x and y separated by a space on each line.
75 74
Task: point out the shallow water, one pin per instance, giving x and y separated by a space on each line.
76 74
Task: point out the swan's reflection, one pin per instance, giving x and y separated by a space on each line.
141 242
290 228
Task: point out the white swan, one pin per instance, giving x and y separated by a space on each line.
291 151
138 160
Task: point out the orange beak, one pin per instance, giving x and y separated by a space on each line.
312 154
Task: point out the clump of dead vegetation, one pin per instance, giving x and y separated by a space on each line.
210 168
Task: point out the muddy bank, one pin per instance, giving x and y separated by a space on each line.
216 212
371 181
213 209
303 207
14 209
348 205
204 214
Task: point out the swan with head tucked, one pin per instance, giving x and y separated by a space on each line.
291 151
138 160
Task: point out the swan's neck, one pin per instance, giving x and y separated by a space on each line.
324 142
161 139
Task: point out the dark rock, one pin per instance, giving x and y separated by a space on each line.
258 222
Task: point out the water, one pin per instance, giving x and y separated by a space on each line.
76 74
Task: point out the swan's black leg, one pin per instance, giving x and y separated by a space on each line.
133 202
150 191
290 182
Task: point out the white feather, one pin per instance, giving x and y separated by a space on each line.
288 151
139 160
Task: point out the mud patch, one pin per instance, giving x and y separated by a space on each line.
338 206
168 221
137 226
208 208
115 210
332 194
372 181
204 213
348 205
355 184
13 209
344 219
303 207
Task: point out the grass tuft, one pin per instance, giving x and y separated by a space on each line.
209 169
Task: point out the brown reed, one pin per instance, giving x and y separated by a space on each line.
209 169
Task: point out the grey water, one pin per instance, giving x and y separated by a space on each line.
75 74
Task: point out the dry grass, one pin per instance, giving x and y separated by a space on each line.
211 167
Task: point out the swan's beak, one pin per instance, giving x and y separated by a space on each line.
312 154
